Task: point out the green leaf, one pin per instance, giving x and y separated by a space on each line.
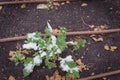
47 31
28 60
49 64
81 43
76 74
61 39
71 64
26 73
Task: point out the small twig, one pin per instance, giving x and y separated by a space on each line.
31 1
68 34
101 75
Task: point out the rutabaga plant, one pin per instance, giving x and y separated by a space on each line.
47 49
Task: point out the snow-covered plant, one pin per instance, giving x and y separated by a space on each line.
47 49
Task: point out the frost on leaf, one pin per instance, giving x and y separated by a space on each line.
67 64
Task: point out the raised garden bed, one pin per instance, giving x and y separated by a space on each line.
17 21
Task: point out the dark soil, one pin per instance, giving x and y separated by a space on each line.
15 21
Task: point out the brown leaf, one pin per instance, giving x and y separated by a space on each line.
25 52
1 7
106 47
63 3
92 73
56 31
97 39
11 78
68 2
11 54
42 6
113 48
23 6
100 28
56 4
81 66
92 26
84 4
110 48
47 77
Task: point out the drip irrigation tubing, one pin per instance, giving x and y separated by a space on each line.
68 34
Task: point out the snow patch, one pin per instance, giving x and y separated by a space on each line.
37 60
30 46
29 67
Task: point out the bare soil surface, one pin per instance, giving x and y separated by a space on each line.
15 21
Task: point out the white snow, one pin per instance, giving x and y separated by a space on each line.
70 42
53 40
49 26
30 46
58 51
49 47
51 54
37 60
43 54
68 58
65 67
32 35
29 67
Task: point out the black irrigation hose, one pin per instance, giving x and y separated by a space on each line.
68 34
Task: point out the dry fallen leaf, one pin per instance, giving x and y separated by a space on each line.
63 3
81 66
97 39
1 7
23 6
113 48
11 78
55 76
42 6
26 52
56 31
106 47
68 2
75 43
92 73
92 26
56 4
110 48
100 28
84 4
11 53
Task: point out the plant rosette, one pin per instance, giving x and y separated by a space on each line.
47 49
